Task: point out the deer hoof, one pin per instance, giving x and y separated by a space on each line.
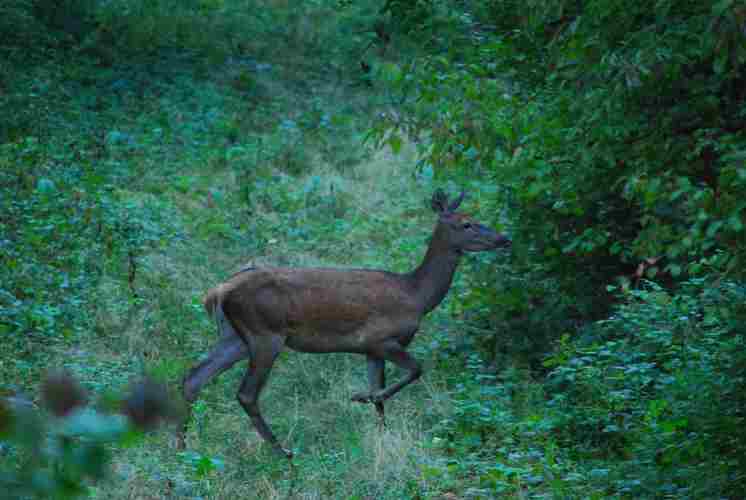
282 452
362 397
180 443
377 397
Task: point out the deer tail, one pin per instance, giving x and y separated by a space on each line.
214 308
212 300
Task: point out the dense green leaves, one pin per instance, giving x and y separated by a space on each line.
616 134
661 388
58 455
615 131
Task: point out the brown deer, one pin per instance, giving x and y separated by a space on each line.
259 311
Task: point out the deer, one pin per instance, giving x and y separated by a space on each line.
261 311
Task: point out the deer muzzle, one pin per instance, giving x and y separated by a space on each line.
487 239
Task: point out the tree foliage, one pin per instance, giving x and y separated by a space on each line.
615 134
614 130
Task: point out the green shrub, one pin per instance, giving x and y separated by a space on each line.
71 17
613 129
57 453
658 389
17 25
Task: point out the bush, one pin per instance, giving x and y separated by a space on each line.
56 454
658 389
614 130
72 17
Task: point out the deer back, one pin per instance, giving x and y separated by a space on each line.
321 309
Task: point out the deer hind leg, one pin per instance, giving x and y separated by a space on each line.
226 353
264 351
377 381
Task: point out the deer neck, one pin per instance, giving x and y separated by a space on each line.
433 277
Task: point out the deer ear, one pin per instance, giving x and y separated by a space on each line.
439 202
455 204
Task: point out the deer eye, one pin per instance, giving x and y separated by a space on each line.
467 225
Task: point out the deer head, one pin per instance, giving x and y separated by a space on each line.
460 232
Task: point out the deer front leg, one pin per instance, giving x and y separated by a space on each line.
377 381
394 352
